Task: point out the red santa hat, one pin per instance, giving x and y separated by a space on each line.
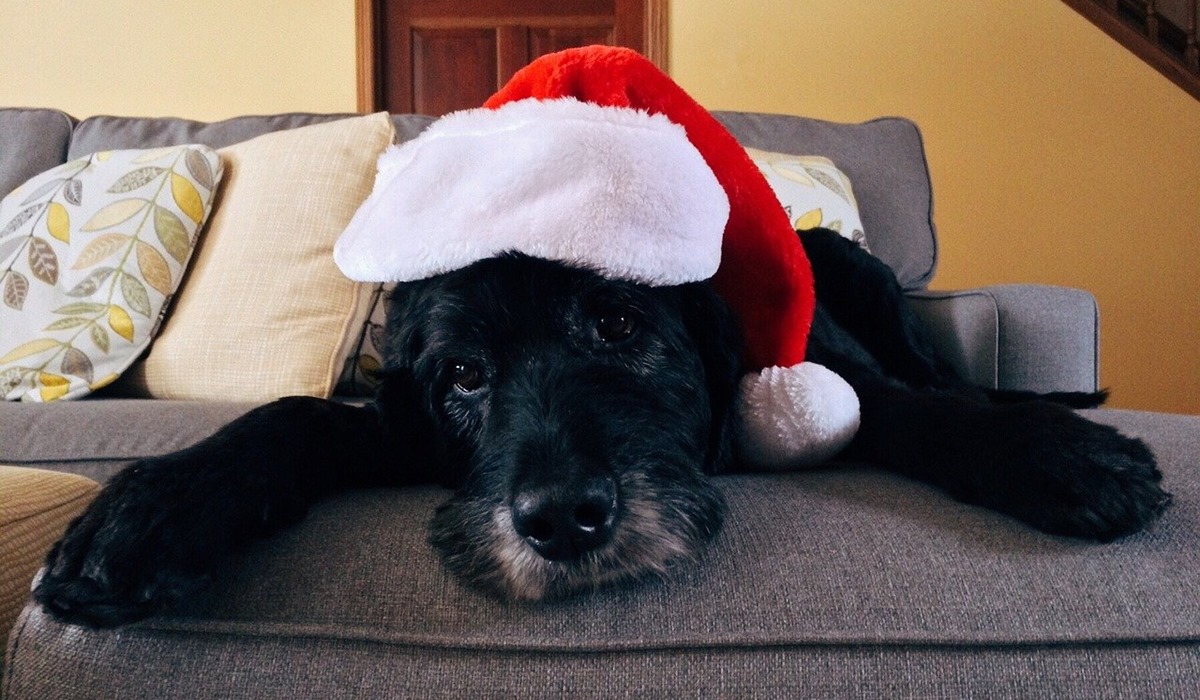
595 157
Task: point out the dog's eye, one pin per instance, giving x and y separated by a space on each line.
615 327
466 378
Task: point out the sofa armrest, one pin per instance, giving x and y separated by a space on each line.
35 507
1021 336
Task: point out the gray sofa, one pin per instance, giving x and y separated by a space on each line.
841 581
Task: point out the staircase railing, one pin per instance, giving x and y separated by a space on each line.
1161 32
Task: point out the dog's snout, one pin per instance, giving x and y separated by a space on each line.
565 521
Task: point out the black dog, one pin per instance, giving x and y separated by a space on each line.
577 420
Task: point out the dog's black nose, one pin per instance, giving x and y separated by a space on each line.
565 521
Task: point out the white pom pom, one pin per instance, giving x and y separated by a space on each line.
795 416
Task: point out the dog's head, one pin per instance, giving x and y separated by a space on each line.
575 416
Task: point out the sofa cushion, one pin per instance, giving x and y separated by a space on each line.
265 312
839 582
96 437
34 140
885 159
100 246
106 132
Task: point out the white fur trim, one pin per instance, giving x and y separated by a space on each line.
614 189
795 416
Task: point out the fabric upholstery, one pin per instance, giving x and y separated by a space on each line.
96 437
105 132
964 328
1026 337
31 141
1050 338
264 311
885 159
35 507
842 580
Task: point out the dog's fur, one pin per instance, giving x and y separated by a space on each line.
577 420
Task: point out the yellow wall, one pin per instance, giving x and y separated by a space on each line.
205 59
1057 157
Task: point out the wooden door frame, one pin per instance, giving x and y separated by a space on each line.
366 34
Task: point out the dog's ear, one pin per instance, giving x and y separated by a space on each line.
718 339
400 399
407 309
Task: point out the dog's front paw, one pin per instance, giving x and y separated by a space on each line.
127 556
1069 476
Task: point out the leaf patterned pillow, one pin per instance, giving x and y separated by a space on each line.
90 253
813 191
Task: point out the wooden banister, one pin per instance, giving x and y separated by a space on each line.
1155 31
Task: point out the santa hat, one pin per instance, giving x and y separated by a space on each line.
595 157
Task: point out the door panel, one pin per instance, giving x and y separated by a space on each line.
468 54
436 56
544 40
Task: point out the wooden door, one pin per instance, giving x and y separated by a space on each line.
437 56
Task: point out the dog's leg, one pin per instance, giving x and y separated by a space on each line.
862 296
158 528
1037 461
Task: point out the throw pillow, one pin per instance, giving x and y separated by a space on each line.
813 191
361 374
90 254
265 312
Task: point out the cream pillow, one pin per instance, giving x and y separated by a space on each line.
813 191
264 311
90 254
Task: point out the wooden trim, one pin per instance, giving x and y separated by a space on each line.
364 35
656 35
1138 43
489 22
1191 52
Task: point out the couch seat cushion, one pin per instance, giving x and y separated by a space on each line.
96 437
838 581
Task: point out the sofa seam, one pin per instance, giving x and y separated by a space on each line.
32 463
1190 638
931 272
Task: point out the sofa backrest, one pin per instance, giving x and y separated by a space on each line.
100 133
31 141
884 159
